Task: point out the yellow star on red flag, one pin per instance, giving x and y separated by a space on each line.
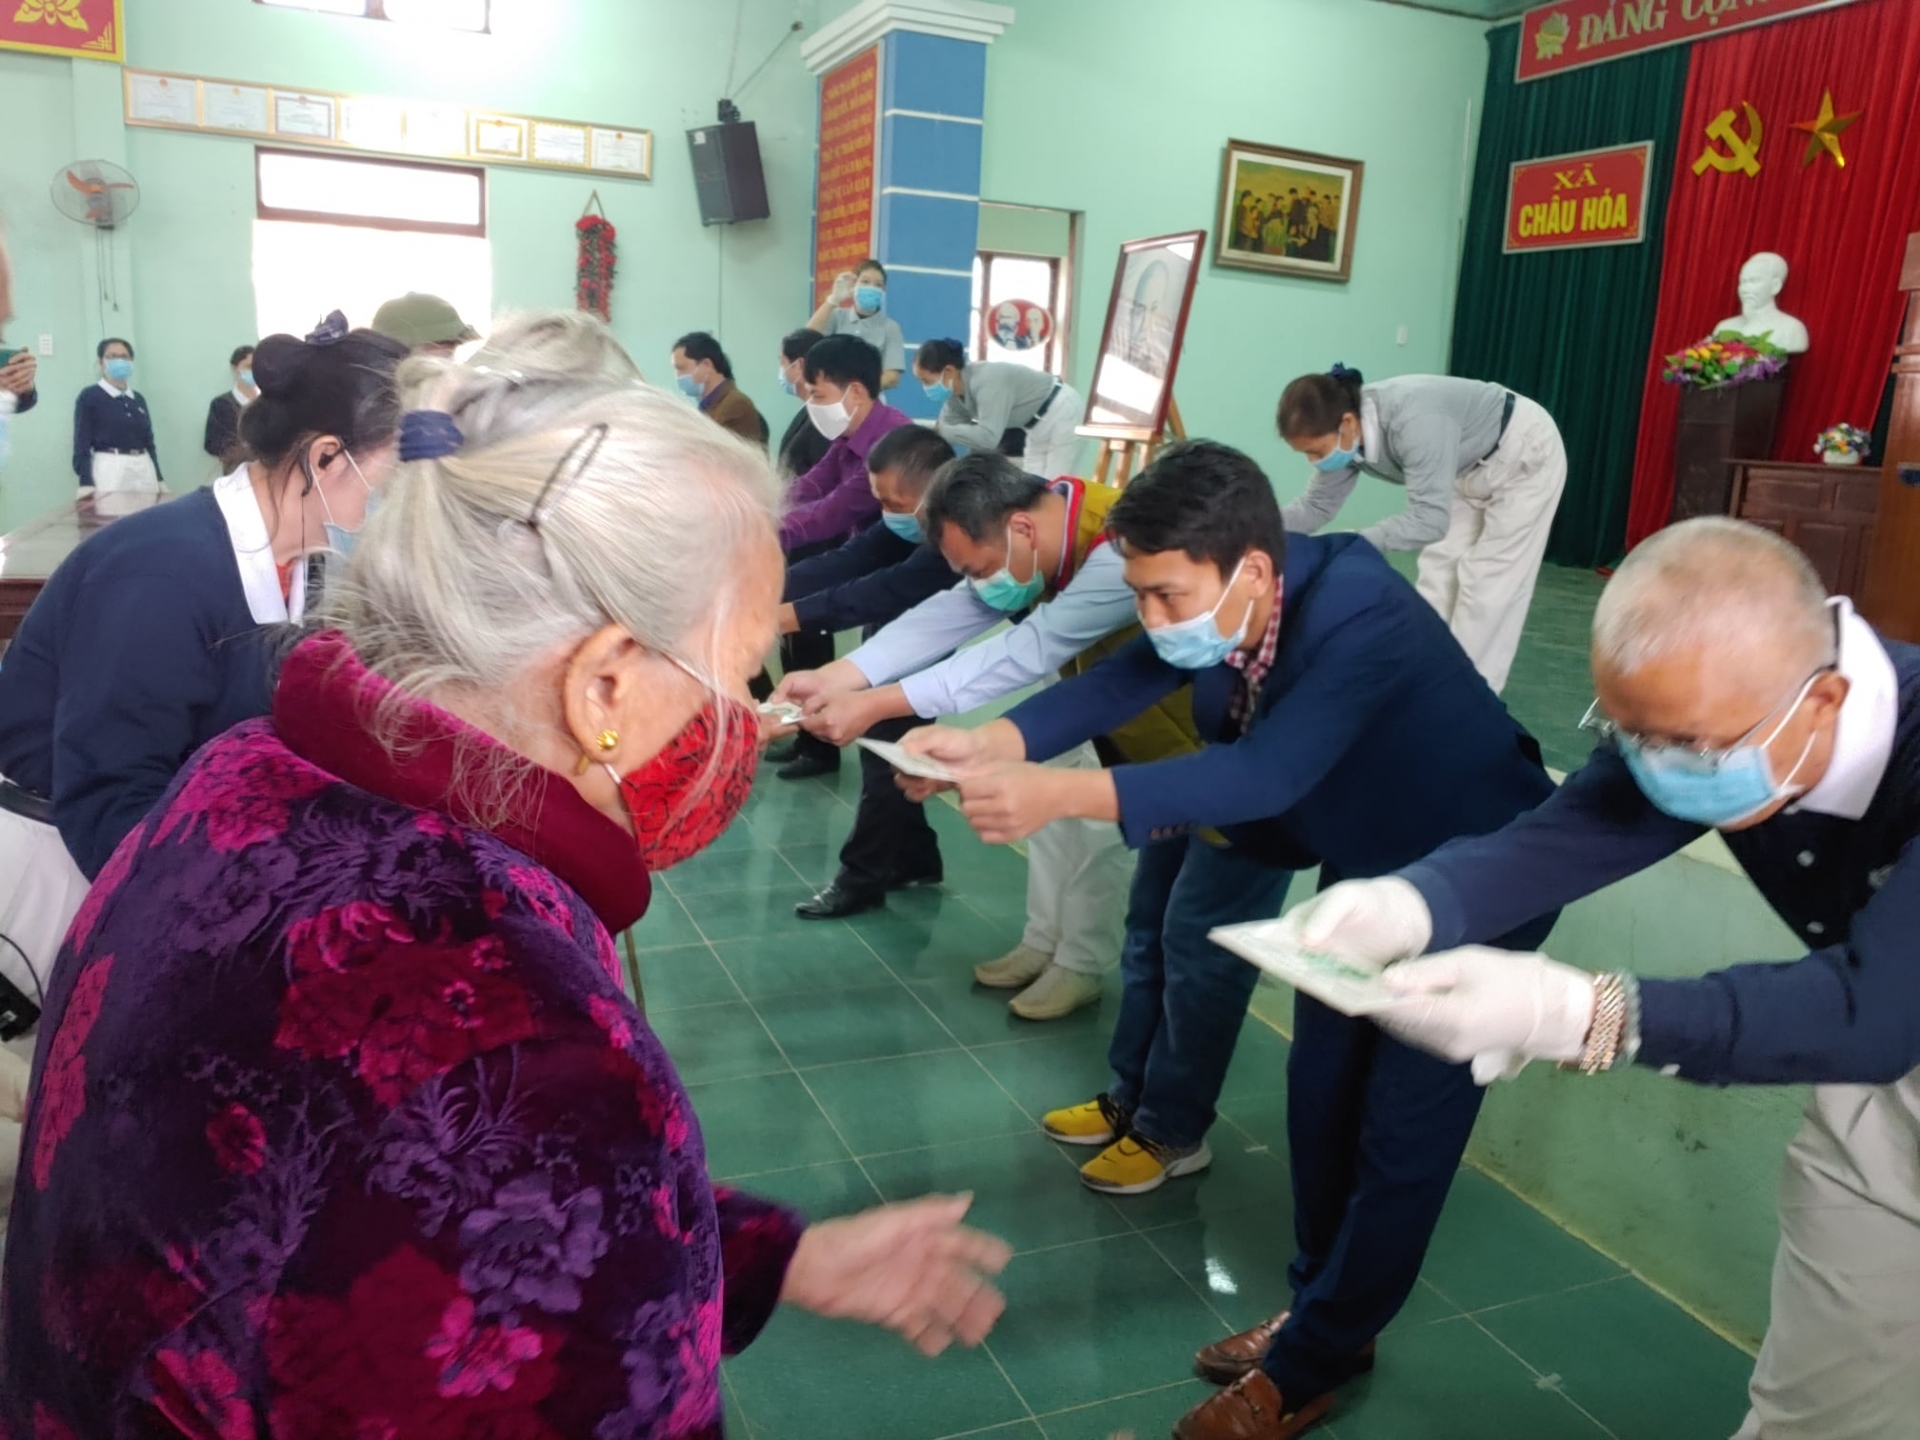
1824 129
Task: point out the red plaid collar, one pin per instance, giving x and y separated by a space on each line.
1255 664
1253 667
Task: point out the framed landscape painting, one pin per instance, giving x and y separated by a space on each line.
1287 212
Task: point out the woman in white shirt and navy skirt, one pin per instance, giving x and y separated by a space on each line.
113 448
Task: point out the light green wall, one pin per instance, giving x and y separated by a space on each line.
660 64
1121 108
48 289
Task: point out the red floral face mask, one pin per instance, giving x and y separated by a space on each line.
684 780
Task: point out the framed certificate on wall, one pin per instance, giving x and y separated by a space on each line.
497 137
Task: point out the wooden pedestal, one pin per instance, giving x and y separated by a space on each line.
1892 600
1827 510
1715 426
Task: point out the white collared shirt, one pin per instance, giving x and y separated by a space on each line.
253 551
114 390
1863 738
241 398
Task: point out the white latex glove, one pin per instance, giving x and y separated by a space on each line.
1492 1007
843 284
1367 923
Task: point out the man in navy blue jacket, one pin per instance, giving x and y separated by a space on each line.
1733 695
878 575
1347 728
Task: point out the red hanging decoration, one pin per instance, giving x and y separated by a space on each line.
593 273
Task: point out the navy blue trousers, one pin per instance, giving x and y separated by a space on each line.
1375 1132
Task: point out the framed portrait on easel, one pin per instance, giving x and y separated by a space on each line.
1140 345
1287 212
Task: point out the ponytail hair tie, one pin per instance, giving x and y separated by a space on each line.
428 435
330 331
1342 371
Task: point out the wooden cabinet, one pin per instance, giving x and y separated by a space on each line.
1892 599
1827 510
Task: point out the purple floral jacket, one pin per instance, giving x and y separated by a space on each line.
342 1127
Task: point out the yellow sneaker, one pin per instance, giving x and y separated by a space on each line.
1134 1165
1098 1122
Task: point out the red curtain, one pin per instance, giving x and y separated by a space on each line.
1843 232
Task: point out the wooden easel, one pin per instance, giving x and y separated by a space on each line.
1134 455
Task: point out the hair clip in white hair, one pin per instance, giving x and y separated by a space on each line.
570 467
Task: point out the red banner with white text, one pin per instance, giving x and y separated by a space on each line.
849 142
1591 197
93 29
1567 34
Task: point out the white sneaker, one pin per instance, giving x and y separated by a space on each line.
1059 991
1015 970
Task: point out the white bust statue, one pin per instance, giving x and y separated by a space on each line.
1760 281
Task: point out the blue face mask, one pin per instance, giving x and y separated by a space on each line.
788 386
689 387
1004 593
341 540
906 526
246 377
119 369
938 391
1196 644
868 299
1740 785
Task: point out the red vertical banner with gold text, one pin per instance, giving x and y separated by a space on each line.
94 29
849 143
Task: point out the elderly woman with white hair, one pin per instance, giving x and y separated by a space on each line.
1734 695
343 1125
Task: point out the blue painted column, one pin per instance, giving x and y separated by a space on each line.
926 217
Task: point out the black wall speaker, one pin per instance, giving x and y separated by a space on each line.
727 174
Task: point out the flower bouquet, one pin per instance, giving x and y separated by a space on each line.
1843 444
1724 358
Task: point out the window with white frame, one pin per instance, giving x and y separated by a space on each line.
1006 290
347 233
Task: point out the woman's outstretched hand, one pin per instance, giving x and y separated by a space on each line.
912 1268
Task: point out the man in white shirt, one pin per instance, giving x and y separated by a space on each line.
1020 542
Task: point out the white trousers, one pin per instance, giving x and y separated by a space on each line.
122 484
1052 447
124 472
41 890
1480 575
1078 873
1841 1360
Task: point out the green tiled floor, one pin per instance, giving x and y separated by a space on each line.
838 1065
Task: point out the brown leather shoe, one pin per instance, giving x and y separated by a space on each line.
1227 1360
1250 1409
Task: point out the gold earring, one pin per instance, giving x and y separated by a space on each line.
608 740
582 766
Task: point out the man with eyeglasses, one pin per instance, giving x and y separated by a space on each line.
1733 695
